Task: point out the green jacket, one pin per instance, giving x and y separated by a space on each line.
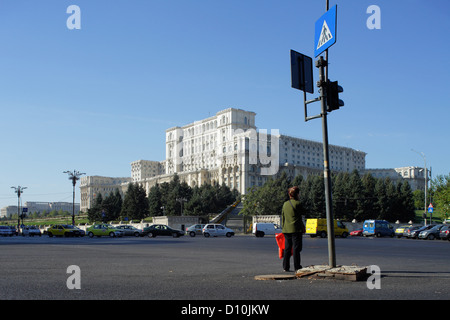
291 217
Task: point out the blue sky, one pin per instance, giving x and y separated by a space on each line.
98 98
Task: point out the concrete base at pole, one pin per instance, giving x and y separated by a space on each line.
348 273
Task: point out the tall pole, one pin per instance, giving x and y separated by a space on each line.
19 191
321 63
74 176
326 161
426 183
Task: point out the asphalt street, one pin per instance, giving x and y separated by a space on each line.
199 269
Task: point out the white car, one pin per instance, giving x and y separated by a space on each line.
31 231
7 231
216 230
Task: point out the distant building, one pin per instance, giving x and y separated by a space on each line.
7 212
414 175
91 186
41 207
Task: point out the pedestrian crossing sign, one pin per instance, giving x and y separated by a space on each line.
325 31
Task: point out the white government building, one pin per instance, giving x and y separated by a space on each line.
226 149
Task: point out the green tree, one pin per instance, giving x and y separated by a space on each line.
418 197
112 206
267 199
155 202
368 197
440 187
406 201
357 195
317 197
304 195
95 212
135 203
340 196
381 199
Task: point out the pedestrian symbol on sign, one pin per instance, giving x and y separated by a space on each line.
325 35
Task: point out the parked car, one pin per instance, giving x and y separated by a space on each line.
431 233
415 233
194 229
444 234
357 233
407 231
215 230
400 230
81 231
64 230
161 230
7 231
262 229
31 231
104 229
377 228
130 230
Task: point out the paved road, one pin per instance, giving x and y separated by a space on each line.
215 268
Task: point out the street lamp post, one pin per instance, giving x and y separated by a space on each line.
426 183
181 201
74 176
19 191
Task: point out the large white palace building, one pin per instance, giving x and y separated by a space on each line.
226 149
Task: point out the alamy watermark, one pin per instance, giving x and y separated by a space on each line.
74 280
374 280
260 148
74 20
374 21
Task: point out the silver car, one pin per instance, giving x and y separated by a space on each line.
432 233
129 230
195 229
31 231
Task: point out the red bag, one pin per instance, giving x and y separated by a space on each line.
279 237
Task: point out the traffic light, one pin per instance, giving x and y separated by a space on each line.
333 101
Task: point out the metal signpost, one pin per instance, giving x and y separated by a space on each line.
325 36
430 211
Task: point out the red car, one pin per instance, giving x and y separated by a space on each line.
356 232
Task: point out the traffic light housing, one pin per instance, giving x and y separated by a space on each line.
333 101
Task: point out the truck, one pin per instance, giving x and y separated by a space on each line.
318 227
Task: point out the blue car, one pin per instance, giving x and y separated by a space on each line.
379 228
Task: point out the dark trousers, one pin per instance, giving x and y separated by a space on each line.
292 244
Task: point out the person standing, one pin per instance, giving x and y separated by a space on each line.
293 228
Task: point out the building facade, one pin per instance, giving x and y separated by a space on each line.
91 186
40 207
414 175
226 148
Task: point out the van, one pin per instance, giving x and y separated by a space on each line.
377 228
318 227
262 229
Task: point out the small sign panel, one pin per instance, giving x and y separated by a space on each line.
301 72
325 31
